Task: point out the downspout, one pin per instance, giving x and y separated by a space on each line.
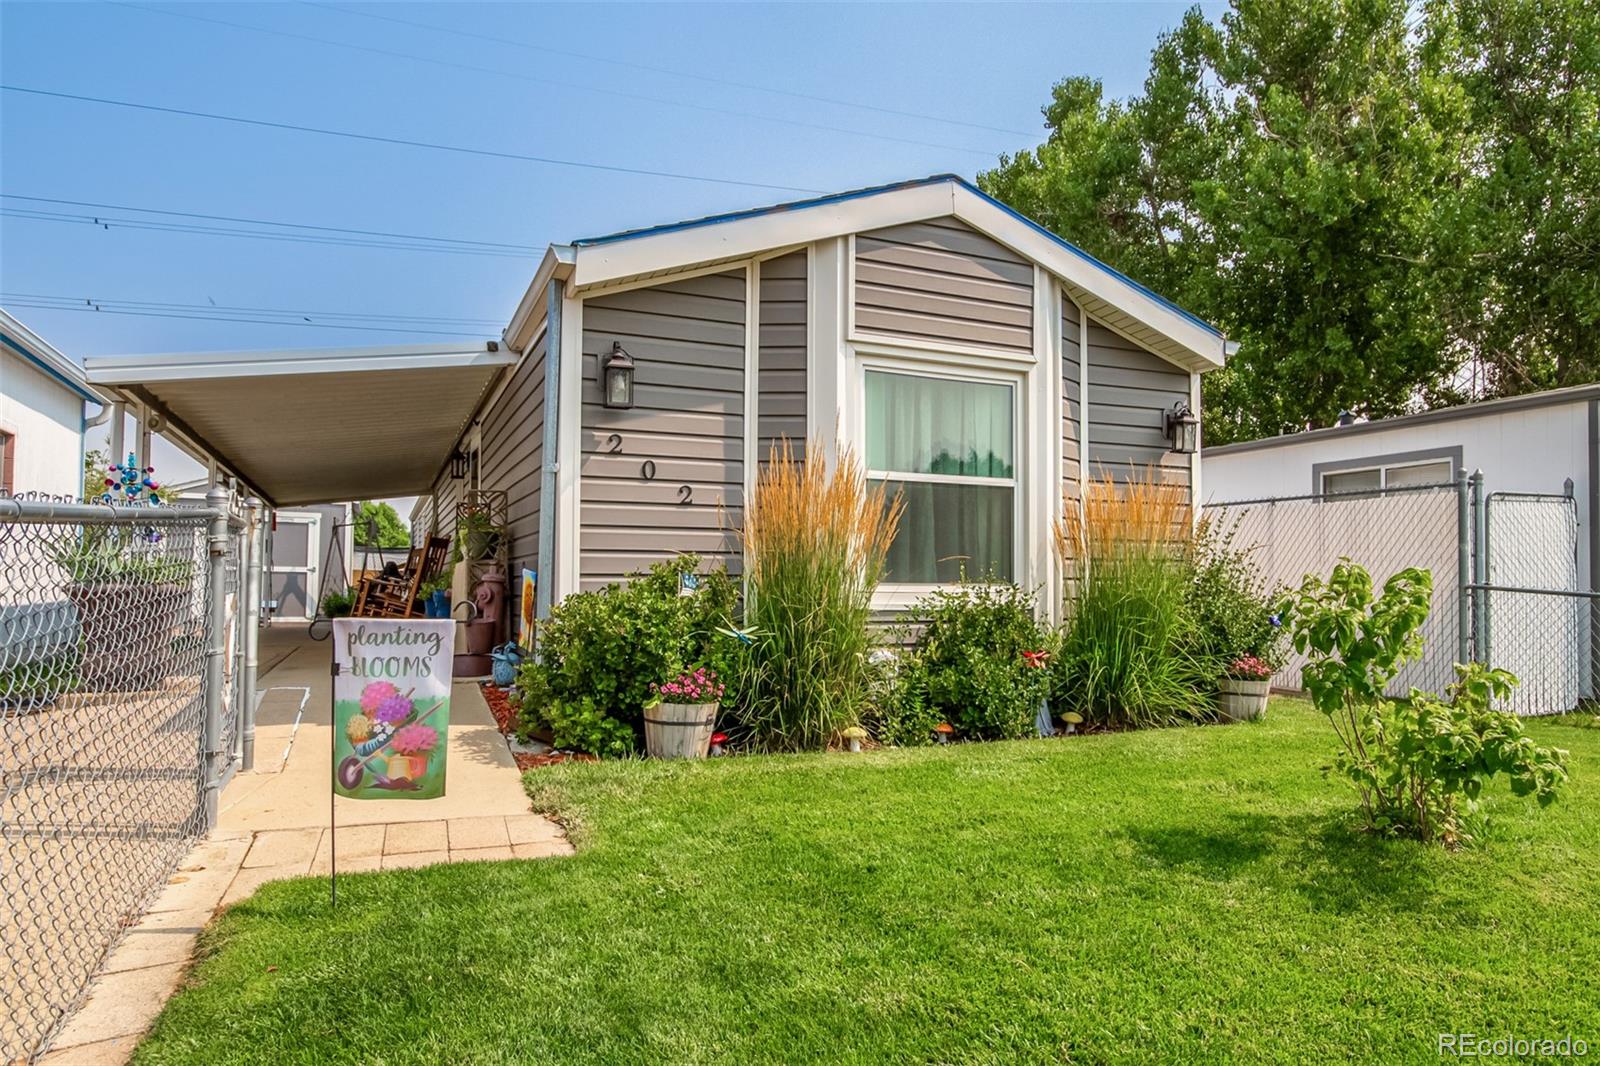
86 423
551 458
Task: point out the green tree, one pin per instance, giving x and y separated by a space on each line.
1289 173
390 528
1530 71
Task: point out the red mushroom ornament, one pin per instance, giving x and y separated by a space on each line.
717 741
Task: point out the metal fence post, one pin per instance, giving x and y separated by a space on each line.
250 612
1480 570
216 644
1463 568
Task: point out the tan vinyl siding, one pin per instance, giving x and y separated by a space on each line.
687 339
512 457
942 281
781 347
1130 391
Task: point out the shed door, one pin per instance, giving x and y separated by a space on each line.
292 580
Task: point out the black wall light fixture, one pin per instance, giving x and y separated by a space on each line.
616 373
1183 429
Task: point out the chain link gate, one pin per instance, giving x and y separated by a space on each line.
1531 616
117 647
1505 577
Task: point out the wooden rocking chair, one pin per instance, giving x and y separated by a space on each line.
396 597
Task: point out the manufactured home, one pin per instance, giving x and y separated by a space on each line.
968 356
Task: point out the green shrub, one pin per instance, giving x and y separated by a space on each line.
338 603
815 536
900 714
969 656
607 647
579 725
1419 764
1234 609
1131 656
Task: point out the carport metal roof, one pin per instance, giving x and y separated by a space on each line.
308 425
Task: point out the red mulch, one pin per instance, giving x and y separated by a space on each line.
500 705
505 717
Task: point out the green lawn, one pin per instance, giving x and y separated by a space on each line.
1186 895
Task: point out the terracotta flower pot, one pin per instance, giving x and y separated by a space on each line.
1243 700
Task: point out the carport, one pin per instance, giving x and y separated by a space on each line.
306 426
296 427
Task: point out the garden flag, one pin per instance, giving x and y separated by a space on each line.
391 706
525 611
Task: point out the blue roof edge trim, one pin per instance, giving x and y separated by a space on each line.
875 190
49 371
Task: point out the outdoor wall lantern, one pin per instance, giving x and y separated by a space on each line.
617 371
1183 429
458 466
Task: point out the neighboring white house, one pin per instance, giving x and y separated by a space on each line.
42 420
1540 459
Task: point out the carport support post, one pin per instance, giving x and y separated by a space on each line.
1463 568
216 643
250 612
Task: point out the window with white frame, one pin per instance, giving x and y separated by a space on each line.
1384 477
948 445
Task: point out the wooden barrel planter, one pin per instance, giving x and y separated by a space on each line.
679 730
1242 700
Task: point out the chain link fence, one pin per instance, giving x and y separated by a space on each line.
1506 577
1532 617
109 633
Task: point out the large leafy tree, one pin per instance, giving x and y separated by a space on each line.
1295 174
391 530
1530 72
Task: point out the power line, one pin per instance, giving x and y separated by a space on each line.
270 222
108 222
70 303
535 79
378 139
668 70
252 321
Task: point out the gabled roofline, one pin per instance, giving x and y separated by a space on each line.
24 342
639 253
524 324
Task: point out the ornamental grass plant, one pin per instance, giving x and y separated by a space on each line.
1129 656
815 536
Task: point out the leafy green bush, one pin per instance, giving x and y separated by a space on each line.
1419 764
122 555
815 536
899 713
609 646
1131 656
579 725
338 603
1234 610
969 658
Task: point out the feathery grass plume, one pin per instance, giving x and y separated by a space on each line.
1130 657
815 536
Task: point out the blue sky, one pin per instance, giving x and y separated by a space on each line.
519 86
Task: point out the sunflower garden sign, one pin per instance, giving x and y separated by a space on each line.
391 706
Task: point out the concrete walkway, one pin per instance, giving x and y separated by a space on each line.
274 824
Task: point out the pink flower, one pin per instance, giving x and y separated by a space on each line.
415 739
375 693
1250 668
